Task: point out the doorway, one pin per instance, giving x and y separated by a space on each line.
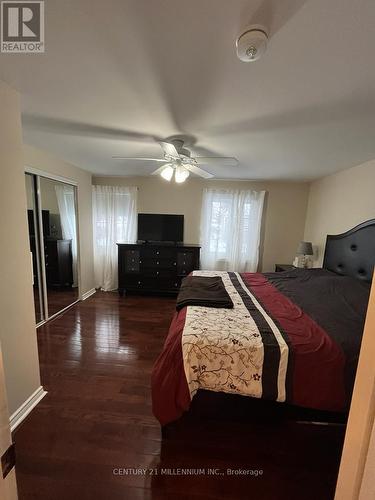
53 238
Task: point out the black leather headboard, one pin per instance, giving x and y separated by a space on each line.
352 253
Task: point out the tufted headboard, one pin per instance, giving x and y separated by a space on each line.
352 253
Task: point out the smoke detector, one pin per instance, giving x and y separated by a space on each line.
252 43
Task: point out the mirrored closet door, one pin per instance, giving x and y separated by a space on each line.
32 217
52 216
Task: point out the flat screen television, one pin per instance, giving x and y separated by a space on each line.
161 227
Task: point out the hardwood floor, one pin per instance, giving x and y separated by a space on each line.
96 361
58 299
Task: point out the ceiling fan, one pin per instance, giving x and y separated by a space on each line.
179 162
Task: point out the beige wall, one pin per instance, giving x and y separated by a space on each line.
42 160
284 214
17 326
339 202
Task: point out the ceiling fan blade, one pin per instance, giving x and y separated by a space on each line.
169 149
198 171
140 159
219 161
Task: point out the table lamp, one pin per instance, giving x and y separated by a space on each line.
305 249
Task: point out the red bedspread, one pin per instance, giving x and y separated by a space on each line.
316 363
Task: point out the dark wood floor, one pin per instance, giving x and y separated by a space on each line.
96 361
58 298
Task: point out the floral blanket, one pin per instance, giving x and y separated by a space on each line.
225 349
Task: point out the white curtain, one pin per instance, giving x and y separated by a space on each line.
115 221
66 202
230 229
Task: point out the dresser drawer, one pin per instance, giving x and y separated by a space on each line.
159 252
158 263
151 282
158 273
175 284
169 284
131 261
182 272
139 282
185 259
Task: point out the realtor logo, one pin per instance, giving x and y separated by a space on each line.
22 27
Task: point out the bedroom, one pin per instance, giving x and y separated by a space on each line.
299 123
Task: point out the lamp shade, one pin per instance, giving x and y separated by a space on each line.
181 174
305 248
167 172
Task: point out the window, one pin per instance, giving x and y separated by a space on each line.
230 229
114 221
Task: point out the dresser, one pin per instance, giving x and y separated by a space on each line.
155 268
58 260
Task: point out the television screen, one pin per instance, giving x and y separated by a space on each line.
161 227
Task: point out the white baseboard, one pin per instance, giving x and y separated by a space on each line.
88 294
19 415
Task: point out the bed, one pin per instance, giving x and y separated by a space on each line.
291 337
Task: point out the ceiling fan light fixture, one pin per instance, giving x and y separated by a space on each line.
181 174
167 173
179 162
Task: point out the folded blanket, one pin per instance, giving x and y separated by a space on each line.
203 291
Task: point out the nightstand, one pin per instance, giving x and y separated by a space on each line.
284 267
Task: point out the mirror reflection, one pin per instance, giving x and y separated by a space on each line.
32 217
58 207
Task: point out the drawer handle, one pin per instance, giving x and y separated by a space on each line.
175 263
184 262
157 272
139 283
157 253
157 263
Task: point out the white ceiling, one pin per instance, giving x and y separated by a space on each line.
118 73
